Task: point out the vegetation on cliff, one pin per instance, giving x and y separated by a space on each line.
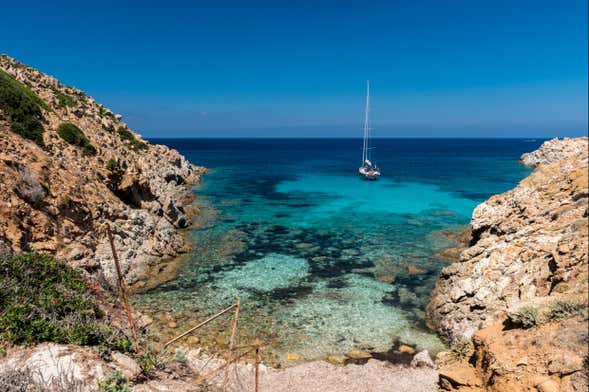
74 135
22 107
128 136
44 300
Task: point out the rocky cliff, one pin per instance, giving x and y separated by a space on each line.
519 290
527 245
69 167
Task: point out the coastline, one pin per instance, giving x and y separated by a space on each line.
534 235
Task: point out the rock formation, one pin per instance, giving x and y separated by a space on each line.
59 193
527 257
527 246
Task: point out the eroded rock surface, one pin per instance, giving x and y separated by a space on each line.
555 150
57 199
528 246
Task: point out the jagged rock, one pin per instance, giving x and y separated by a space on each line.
55 197
523 244
555 150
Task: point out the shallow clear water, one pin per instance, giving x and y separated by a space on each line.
323 261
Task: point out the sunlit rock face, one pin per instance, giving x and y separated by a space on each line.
528 245
59 199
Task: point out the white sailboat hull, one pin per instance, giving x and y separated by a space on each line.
369 174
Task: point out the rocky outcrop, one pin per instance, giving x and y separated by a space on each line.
57 198
527 256
555 150
548 358
528 246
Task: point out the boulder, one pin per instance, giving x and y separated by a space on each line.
422 359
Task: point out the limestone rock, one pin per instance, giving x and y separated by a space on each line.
126 365
555 150
58 200
524 243
422 359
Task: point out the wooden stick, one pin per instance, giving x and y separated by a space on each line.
257 364
235 359
122 287
199 325
233 330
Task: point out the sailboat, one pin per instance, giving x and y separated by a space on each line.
368 170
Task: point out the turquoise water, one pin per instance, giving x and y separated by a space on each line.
322 260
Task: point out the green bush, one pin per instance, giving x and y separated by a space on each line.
525 317
74 136
42 299
128 136
115 383
64 100
561 310
23 108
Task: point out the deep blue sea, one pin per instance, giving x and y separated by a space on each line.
322 260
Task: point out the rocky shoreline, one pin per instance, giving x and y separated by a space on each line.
513 302
59 197
526 260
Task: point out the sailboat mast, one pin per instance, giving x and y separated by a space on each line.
366 129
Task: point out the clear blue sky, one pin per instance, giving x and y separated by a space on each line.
298 68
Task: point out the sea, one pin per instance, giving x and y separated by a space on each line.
322 260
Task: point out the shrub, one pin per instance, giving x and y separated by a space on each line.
23 108
64 99
150 362
42 299
115 383
128 136
74 136
461 347
561 310
525 317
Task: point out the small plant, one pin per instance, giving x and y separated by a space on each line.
149 363
74 136
64 100
102 112
115 383
561 310
461 348
525 317
128 136
180 355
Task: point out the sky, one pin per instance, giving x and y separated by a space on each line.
444 68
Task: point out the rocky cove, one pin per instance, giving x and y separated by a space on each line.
527 249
